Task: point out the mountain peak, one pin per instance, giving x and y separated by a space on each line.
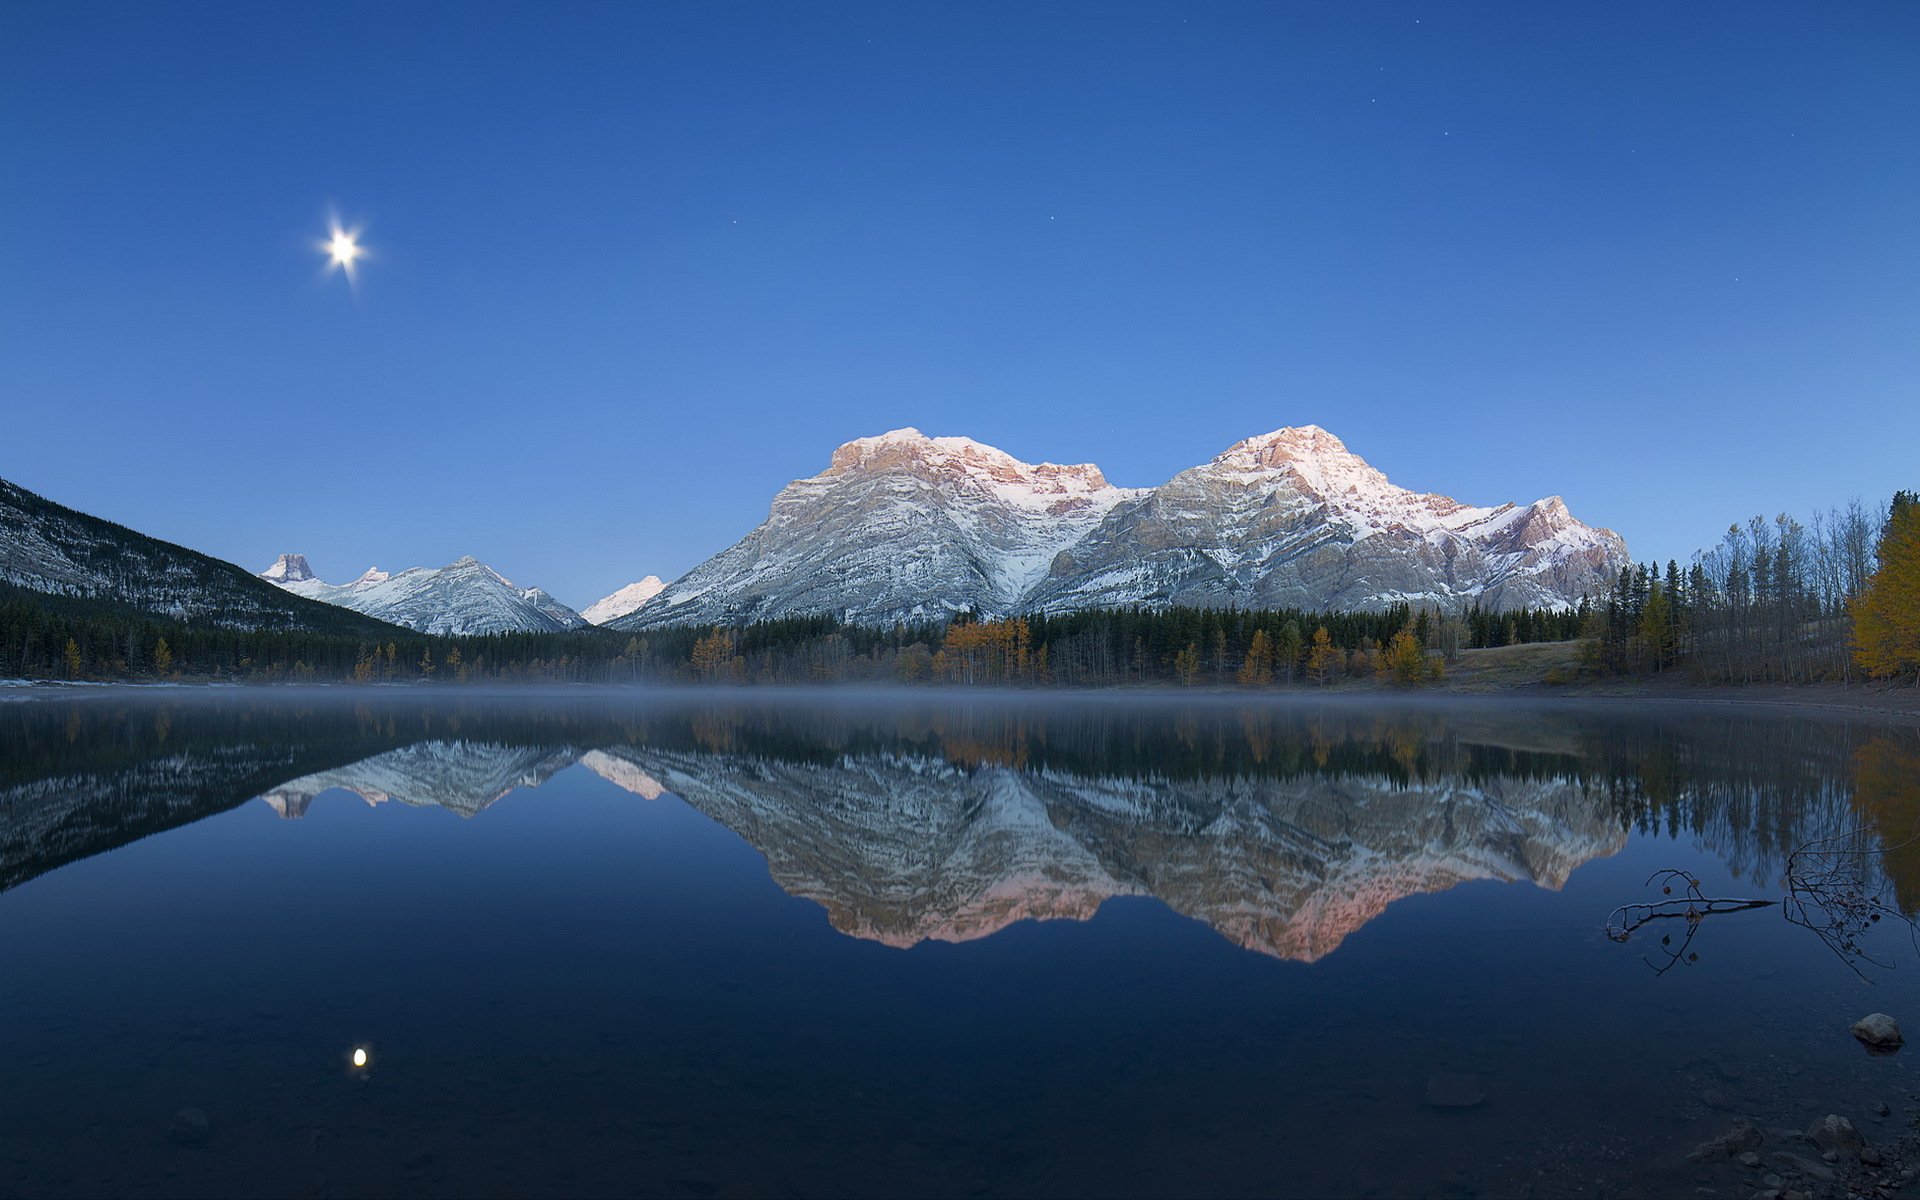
624 601
904 527
288 568
1284 446
954 457
463 597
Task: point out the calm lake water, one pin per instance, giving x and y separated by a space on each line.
820 945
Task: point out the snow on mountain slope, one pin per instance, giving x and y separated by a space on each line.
624 601
464 597
1295 518
904 526
898 527
47 547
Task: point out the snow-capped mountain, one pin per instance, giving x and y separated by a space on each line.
898 527
464 597
624 601
1294 518
904 526
46 547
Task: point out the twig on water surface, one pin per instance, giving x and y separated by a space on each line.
1693 907
1828 889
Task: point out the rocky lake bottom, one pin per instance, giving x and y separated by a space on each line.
818 944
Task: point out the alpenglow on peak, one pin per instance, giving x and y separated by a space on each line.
903 526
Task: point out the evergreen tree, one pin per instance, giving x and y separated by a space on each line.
1287 650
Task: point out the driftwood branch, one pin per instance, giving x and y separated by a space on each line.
1830 887
1692 906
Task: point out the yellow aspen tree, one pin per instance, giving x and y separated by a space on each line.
1886 614
1186 664
1257 670
1324 658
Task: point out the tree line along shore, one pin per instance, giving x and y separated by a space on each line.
1776 602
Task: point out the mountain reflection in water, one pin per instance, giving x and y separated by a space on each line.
595 979
1284 829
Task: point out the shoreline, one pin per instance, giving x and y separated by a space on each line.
1897 703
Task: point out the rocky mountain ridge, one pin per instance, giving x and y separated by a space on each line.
463 598
49 548
903 527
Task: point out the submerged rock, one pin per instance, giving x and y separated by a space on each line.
1455 1091
1879 1033
190 1127
1834 1134
1739 1138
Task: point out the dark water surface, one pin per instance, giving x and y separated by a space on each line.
815 945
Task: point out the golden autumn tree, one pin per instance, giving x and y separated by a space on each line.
1406 658
1886 615
1257 670
162 657
713 654
1186 664
1324 659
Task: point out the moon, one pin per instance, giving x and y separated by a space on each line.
343 250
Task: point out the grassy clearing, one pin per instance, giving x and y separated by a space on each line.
1499 667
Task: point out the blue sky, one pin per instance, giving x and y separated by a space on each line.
639 266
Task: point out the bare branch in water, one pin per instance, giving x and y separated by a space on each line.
1693 906
1830 888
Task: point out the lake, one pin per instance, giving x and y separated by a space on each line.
940 943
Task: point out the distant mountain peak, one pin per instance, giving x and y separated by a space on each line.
624 601
464 597
288 568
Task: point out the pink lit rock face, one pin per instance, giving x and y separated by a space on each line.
1293 518
898 527
906 526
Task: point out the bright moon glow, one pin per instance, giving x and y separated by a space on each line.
359 1056
343 250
